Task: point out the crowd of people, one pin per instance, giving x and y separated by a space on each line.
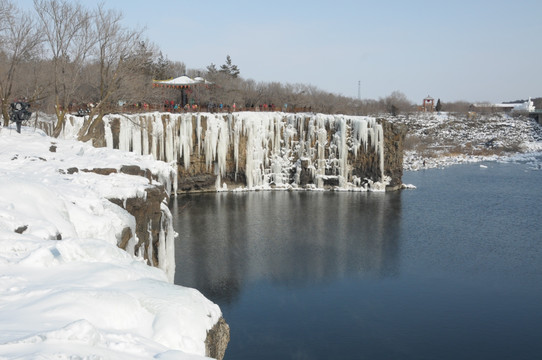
172 106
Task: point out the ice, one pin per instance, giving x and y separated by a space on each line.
185 140
273 143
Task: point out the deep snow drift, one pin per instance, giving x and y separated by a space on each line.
83 297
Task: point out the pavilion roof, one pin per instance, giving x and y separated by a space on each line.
180 82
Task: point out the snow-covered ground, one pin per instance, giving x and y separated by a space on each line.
66 290
443 139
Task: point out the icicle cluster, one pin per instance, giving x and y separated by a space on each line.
274 144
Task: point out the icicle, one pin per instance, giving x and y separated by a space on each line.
144 125
136 139
238 127
169 148
301 135
125 134
108 133
185 139
249 165
364 135
198 131
343 152
149 246
222 147
166 243
321 161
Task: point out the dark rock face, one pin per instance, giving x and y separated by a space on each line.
196 182
305 175
394 137
217 340
148 215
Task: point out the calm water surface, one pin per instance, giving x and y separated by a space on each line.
451 270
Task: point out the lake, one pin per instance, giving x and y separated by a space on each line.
450 270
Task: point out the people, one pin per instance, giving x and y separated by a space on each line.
19 113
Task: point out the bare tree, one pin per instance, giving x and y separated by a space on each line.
19 40
69 38
397 102
115 53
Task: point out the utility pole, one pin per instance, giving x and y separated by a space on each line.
359 89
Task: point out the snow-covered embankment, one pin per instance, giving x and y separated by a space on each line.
67 289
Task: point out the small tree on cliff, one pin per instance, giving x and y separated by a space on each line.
115 53
69 39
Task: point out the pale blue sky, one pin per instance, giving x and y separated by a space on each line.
474 50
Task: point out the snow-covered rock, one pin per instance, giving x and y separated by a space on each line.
66 289
442 139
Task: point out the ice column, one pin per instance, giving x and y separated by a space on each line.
185 139
216 143
342 152
237 128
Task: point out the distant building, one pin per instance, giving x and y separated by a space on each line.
428 104
524 107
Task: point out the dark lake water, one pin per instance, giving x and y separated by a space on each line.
450 270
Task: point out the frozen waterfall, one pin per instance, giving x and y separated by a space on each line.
267 150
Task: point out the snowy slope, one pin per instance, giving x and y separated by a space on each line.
83 297
443 139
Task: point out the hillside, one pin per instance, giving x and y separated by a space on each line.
441 139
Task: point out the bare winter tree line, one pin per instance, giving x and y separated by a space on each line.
61 56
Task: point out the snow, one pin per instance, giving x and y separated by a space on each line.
527 106
445 139
66 290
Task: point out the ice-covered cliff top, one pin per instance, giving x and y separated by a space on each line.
81 296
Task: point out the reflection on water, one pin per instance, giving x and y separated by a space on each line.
288 238
451 270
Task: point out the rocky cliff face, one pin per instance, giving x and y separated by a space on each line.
151 221
394 137
266 150
155 234
217 340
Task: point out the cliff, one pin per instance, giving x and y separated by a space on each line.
266 150
155 234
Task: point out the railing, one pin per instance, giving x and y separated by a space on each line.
84 109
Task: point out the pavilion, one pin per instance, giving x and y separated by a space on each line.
182 82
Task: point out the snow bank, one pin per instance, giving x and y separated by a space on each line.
66 289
